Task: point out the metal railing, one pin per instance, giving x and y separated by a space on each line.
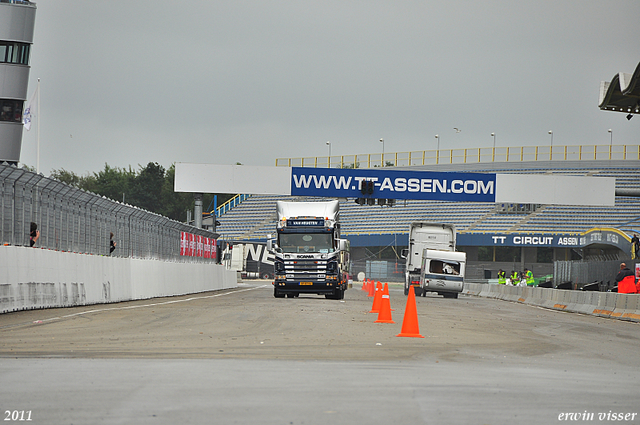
73 220
236 200
469 156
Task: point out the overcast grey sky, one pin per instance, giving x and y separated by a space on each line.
128 82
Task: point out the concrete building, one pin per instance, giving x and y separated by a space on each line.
17 20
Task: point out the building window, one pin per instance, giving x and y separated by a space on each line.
485 253
545 255
11 52
11 110
508 254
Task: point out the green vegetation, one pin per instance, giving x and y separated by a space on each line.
150 188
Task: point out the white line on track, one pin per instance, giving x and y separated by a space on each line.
100 310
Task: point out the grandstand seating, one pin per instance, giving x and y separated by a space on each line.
255 217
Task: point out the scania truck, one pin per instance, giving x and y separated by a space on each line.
432 263
310 256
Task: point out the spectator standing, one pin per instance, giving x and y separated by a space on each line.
626 280
112 243
34 234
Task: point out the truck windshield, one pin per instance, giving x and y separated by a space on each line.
306 242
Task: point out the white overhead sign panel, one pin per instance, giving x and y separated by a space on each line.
397 184
210 178
555 189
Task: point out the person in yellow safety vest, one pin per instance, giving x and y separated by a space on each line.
529 276
502 277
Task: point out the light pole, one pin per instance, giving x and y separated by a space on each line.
493 153
438 150
382 159
611 138
329 144
551 146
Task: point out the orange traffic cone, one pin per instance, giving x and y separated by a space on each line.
375 308
365 286
410 327
384 316
372 289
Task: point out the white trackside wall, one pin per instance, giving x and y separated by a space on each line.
32 278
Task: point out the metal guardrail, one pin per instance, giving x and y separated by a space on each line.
73 220
469 156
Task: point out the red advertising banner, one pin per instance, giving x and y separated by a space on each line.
192 245
183 243
206 249
197 246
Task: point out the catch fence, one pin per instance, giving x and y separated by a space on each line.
584 272
73 220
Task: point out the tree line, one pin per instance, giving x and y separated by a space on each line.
150 188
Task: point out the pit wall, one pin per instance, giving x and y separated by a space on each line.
603 304
32 278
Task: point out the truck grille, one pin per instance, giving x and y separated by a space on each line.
305 270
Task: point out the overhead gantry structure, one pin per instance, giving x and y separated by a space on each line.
622 93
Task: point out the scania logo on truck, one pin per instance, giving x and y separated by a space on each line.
305 256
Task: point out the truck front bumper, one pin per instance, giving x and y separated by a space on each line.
308 287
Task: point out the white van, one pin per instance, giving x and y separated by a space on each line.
443 272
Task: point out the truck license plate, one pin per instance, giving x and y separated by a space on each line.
306 283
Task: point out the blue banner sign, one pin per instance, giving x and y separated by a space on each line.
394 184
563 240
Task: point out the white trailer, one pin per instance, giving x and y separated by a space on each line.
253 260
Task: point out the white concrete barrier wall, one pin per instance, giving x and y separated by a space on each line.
39 278
605 304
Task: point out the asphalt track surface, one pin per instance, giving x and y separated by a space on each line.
240 356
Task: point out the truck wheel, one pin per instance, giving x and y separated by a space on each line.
290 295
277 293
406 290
